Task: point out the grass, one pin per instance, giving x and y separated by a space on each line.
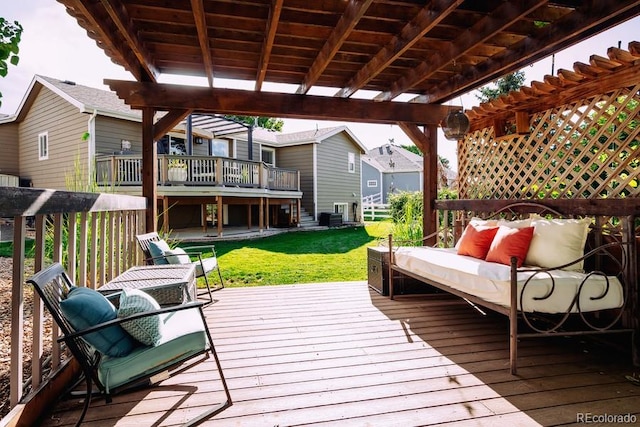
331 255
300 257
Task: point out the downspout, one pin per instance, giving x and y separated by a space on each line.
91 149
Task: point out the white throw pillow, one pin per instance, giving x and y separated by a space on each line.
558 241
177 256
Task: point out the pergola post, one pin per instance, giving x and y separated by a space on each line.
149 169
430 183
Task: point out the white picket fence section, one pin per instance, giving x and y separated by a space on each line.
375 211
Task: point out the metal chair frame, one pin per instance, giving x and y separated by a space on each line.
192 251
53 285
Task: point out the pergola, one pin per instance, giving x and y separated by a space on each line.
413 55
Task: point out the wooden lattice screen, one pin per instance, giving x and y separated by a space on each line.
586 149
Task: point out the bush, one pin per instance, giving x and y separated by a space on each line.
406 214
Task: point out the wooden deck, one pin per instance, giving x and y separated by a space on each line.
340 354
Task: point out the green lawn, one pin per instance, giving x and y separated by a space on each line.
300 257
294 257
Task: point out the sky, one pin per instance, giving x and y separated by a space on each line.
54 45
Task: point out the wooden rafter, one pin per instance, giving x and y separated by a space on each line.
141 95
270 35
389 47
200 20
415 135
428 17
122 21
168 122
481 31
100 29
352 14
591 15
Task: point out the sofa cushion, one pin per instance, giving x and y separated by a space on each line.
476 241
558 241
157 250
509 242
183 335
147 330
85 307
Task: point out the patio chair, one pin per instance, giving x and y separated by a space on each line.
102 341
157 251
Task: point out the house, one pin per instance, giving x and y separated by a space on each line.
391 169
210 169
329 161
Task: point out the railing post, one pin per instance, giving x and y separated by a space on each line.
17 311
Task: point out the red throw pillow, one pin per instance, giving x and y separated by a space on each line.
510 242
475 242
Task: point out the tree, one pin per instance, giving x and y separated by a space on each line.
263 122
503 85
443 160
10 34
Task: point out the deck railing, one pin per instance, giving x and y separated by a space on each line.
196 170
92 235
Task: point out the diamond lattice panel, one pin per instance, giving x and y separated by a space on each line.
589 149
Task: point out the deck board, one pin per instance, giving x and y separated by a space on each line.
340 354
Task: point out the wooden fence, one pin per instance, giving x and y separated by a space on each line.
92 235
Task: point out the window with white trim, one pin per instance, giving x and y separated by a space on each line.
268 156
342 209
372 183
43 146
352 163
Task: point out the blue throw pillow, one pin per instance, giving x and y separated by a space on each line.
157 249
147 330
85 307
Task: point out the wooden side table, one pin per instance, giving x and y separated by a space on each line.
378 275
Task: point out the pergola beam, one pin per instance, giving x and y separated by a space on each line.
203 38
265 55
588 19
126 28
166 97
481 31
428 17
352 14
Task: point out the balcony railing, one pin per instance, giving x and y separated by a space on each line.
197 170
92 235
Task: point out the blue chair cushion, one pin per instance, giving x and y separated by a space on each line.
147 330
183 336
86 307
157 249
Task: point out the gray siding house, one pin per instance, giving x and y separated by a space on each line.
64 132
392 169
329 162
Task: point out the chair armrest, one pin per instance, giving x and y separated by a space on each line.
119 320
199 250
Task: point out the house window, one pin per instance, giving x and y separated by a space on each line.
352 163
343 209
43 146
269 156
372 183
220 147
